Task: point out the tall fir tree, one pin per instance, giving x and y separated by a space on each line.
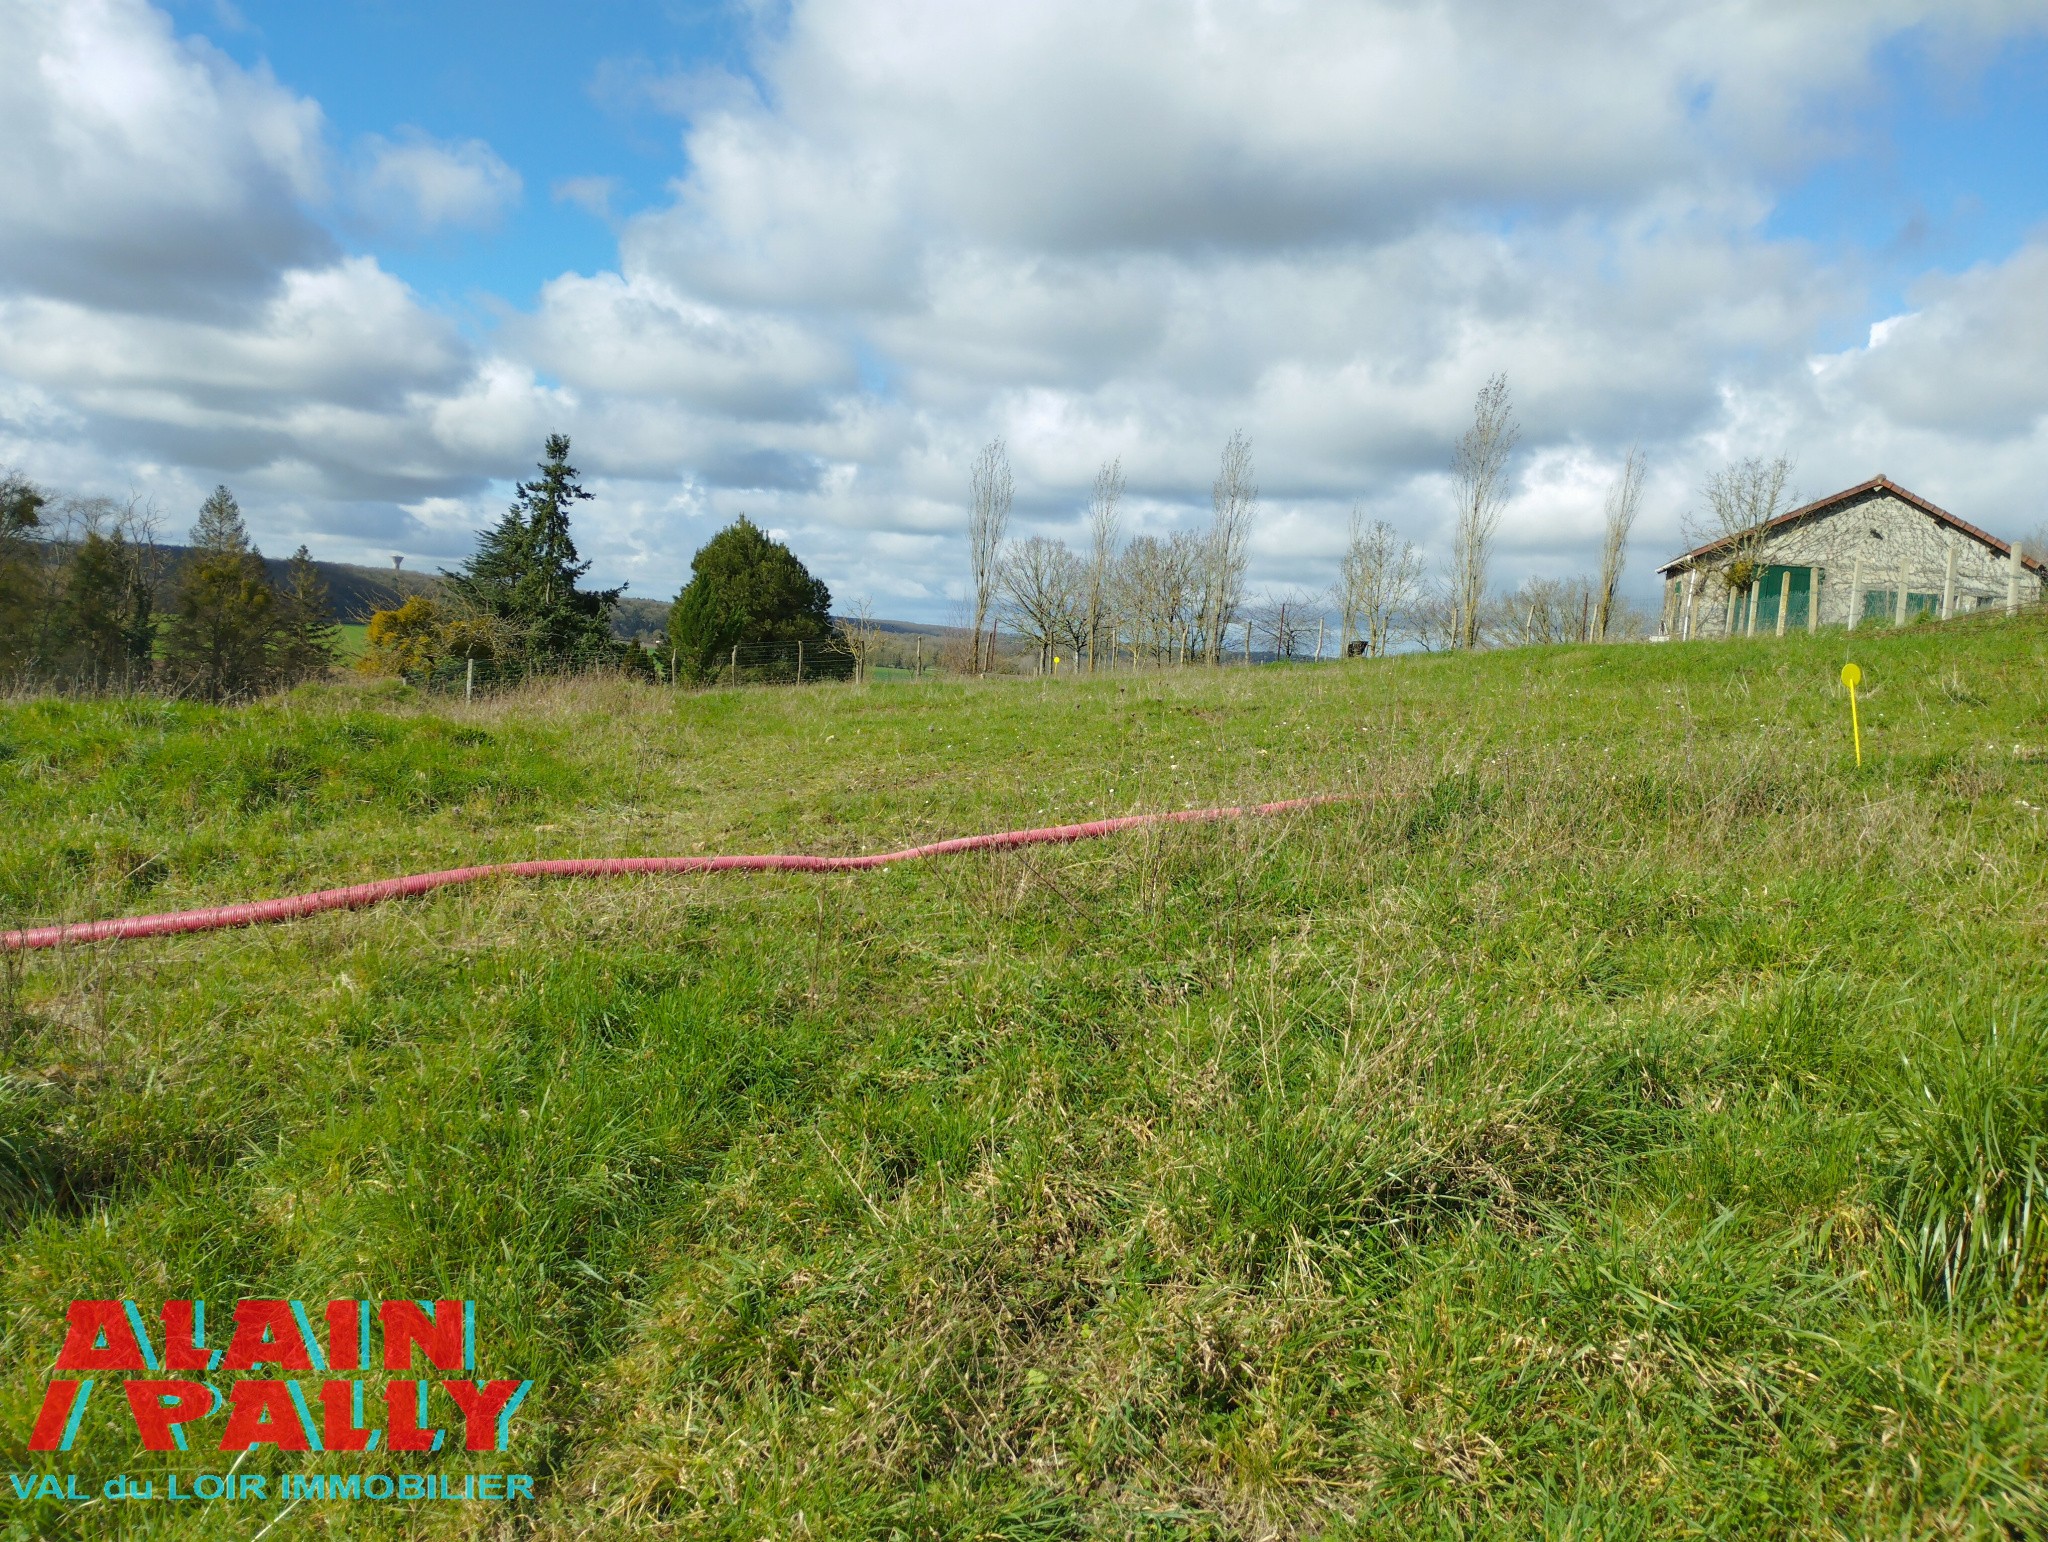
92 614
306 633
525 570
225 620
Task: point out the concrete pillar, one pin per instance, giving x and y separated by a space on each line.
1812 600
1784 599
1692 602
2012 581
1728 626
1756 591
1855 593
1905 578
1948 580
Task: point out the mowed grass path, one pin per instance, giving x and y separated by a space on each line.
1618 1120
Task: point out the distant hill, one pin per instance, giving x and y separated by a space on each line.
354 591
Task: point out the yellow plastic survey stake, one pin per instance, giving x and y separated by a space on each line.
1853 677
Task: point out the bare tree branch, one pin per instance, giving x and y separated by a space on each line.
1045 586
1234 499
1377 583
1624 499
1742 500
1104 518
988 520
1479 472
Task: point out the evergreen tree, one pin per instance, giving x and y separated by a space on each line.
92 615
24 575
744 588
306 634
225 623
525 570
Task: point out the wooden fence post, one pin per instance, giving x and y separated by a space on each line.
799 661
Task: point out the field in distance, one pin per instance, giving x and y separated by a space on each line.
1620 1118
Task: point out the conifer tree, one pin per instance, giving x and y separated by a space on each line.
525 570
92 616
745 588
306 634
225 622
24 576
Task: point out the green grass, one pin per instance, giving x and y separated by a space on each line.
352 640
1624 1118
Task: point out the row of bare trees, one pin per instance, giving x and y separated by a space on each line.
1180 598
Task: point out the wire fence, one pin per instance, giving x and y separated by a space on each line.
762 663
786 663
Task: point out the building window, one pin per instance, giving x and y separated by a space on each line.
1883 604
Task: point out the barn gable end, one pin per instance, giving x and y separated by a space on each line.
1871 553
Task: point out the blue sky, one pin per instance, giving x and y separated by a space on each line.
803 259
551 93
1942 168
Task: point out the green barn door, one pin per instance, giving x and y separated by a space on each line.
1790 588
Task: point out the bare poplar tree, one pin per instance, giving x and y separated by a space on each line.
1479 472
1742 500
1234 499
1104 518
1378 582
988 519
1624 499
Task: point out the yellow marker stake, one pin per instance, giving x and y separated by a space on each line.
1853 677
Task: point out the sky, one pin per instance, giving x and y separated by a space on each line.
801 259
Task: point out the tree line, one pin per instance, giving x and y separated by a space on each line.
516 606
88 599
1180 597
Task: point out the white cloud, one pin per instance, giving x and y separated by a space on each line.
138 172
417 183
593 195
1098 229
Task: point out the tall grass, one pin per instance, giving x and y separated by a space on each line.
1622 1117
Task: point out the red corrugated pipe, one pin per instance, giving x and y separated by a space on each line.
292 906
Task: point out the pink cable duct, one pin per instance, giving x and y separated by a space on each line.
292 906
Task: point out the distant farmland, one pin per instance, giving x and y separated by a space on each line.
1619 1118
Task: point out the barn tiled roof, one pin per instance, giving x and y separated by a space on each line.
1848 494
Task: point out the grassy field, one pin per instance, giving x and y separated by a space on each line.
1618 1120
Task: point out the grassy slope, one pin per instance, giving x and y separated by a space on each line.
1522 1147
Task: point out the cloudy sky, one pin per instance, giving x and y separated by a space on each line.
801 259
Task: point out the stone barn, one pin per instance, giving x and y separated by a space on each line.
1873 554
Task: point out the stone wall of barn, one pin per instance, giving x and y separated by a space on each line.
1860 549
